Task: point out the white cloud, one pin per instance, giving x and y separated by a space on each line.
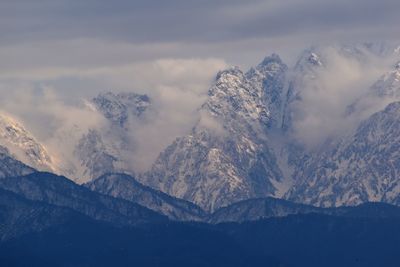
322 112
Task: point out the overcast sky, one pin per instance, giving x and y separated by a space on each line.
98 32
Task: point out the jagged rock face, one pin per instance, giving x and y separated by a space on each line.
22 146
126 187
233 97
270 75
389 84
361 168
108 149
119 107
304 74
226 157
95 156
382 92
243 144
318 68
305 79
260 121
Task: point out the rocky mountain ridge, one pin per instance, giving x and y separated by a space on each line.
245 143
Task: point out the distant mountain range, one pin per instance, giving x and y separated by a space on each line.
245 143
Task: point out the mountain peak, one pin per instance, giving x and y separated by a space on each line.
22 145
273 58
233 96
393 108
268 68
228 74
227 84
309 61
118 107
315 59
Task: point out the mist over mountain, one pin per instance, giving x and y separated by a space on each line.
252 134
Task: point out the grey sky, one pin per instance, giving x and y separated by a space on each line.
191 21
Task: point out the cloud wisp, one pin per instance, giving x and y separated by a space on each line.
345 79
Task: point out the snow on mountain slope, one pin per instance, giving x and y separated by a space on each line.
109 148
119 108
22 146
261 133
226 157
270 75
361 168
270 107
389 85
97 157
381 93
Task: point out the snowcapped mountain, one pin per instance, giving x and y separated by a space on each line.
362 165
381 93
94 151
119 108
18 144
270 75
109 148
97 157
361 168
246 143
252 137
226 157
